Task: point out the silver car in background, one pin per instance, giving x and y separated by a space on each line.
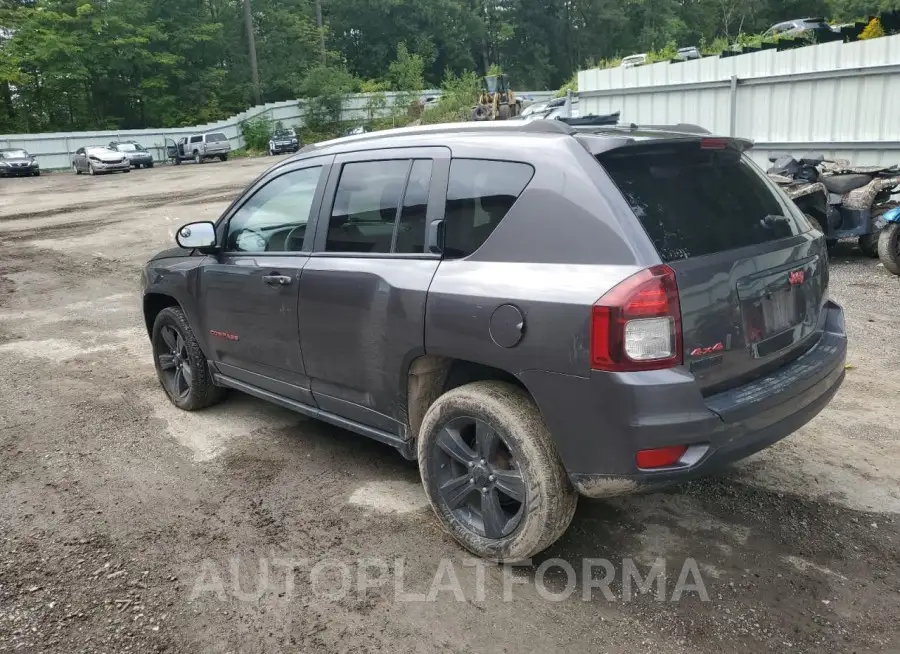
97 159
137 154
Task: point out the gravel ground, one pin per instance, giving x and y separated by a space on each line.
126 525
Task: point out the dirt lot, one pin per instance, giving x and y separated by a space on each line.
126 525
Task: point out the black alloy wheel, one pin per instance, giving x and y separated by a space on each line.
174 362
477 478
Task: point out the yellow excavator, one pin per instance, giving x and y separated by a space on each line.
497 101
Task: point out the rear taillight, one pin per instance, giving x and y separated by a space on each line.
637 324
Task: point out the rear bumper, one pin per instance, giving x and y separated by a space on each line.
598 438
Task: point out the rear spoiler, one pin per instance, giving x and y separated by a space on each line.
620 139
609 124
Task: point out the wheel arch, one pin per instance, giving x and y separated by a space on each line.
429 376
154 303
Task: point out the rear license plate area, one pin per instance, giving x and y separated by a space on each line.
778 307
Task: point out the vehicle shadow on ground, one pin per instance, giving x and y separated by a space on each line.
774 566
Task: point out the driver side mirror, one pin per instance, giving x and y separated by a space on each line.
197 236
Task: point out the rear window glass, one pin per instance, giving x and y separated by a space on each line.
215 138
694 202
479 195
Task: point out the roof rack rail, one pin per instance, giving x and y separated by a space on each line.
547 126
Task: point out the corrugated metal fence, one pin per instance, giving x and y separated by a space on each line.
54 150
841 99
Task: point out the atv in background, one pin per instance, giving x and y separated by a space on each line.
845 201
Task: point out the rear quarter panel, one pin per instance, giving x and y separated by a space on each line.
559 249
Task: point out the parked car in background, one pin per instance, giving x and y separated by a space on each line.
534 108
198 148
635 339
356 131
429 101
798 27
686 54
97 159
284 139
137 154
634 60
15 161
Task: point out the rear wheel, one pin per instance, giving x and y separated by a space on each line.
889 247
491 472
868 243
224 157
180 364
503 112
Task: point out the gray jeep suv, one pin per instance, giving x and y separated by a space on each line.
532 311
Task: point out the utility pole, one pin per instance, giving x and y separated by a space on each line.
321 31
251 42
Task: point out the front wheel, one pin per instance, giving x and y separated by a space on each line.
76 169
177 161
868 244
197 158
91 170
491 472
889 247
36 173
181 367
224 157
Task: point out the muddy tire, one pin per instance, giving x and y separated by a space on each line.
491 472
868 244
889 247
181 366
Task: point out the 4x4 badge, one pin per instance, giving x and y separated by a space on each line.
703 351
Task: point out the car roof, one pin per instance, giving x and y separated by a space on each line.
525 133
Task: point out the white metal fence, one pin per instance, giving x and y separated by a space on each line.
54 150
841 99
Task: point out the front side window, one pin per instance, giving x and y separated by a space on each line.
275 218
196 139
479 195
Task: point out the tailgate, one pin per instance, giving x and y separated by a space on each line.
752 276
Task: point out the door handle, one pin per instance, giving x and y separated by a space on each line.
277 280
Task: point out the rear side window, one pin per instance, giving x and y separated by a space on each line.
693 202
215 138
479 195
